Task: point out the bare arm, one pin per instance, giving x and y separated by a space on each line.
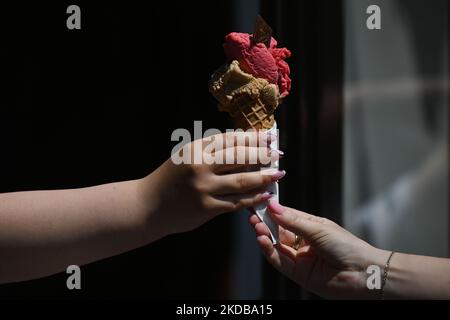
415 277
333 263
43 232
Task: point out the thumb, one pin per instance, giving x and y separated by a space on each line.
296 221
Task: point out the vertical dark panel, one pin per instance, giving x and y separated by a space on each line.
310 120
99 105
448 95
330 47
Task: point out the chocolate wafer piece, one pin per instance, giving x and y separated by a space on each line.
263 32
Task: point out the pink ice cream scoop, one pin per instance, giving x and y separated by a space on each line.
260 61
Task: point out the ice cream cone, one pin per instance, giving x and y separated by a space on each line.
252 114
250 101
250 87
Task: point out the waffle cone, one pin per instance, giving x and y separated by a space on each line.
250 101
250 113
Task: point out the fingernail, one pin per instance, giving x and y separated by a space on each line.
266 196
278 175
281 153
275 207
275 155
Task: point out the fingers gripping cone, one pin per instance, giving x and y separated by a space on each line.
248 88
251 102
262 210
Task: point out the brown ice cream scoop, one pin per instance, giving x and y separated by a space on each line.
250 101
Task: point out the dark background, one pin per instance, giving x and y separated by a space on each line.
96 105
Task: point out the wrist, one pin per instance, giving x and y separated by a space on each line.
149 202
373 266
414 277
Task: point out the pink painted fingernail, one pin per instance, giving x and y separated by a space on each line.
278 175
266 196
275 155
275 207
281 153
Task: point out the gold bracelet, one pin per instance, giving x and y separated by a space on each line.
385 275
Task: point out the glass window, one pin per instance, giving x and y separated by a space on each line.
396 90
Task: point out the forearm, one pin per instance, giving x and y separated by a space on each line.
416 277
42 232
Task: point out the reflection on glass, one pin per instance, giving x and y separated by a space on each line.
396 126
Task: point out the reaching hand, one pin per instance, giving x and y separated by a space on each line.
184 196
330 261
